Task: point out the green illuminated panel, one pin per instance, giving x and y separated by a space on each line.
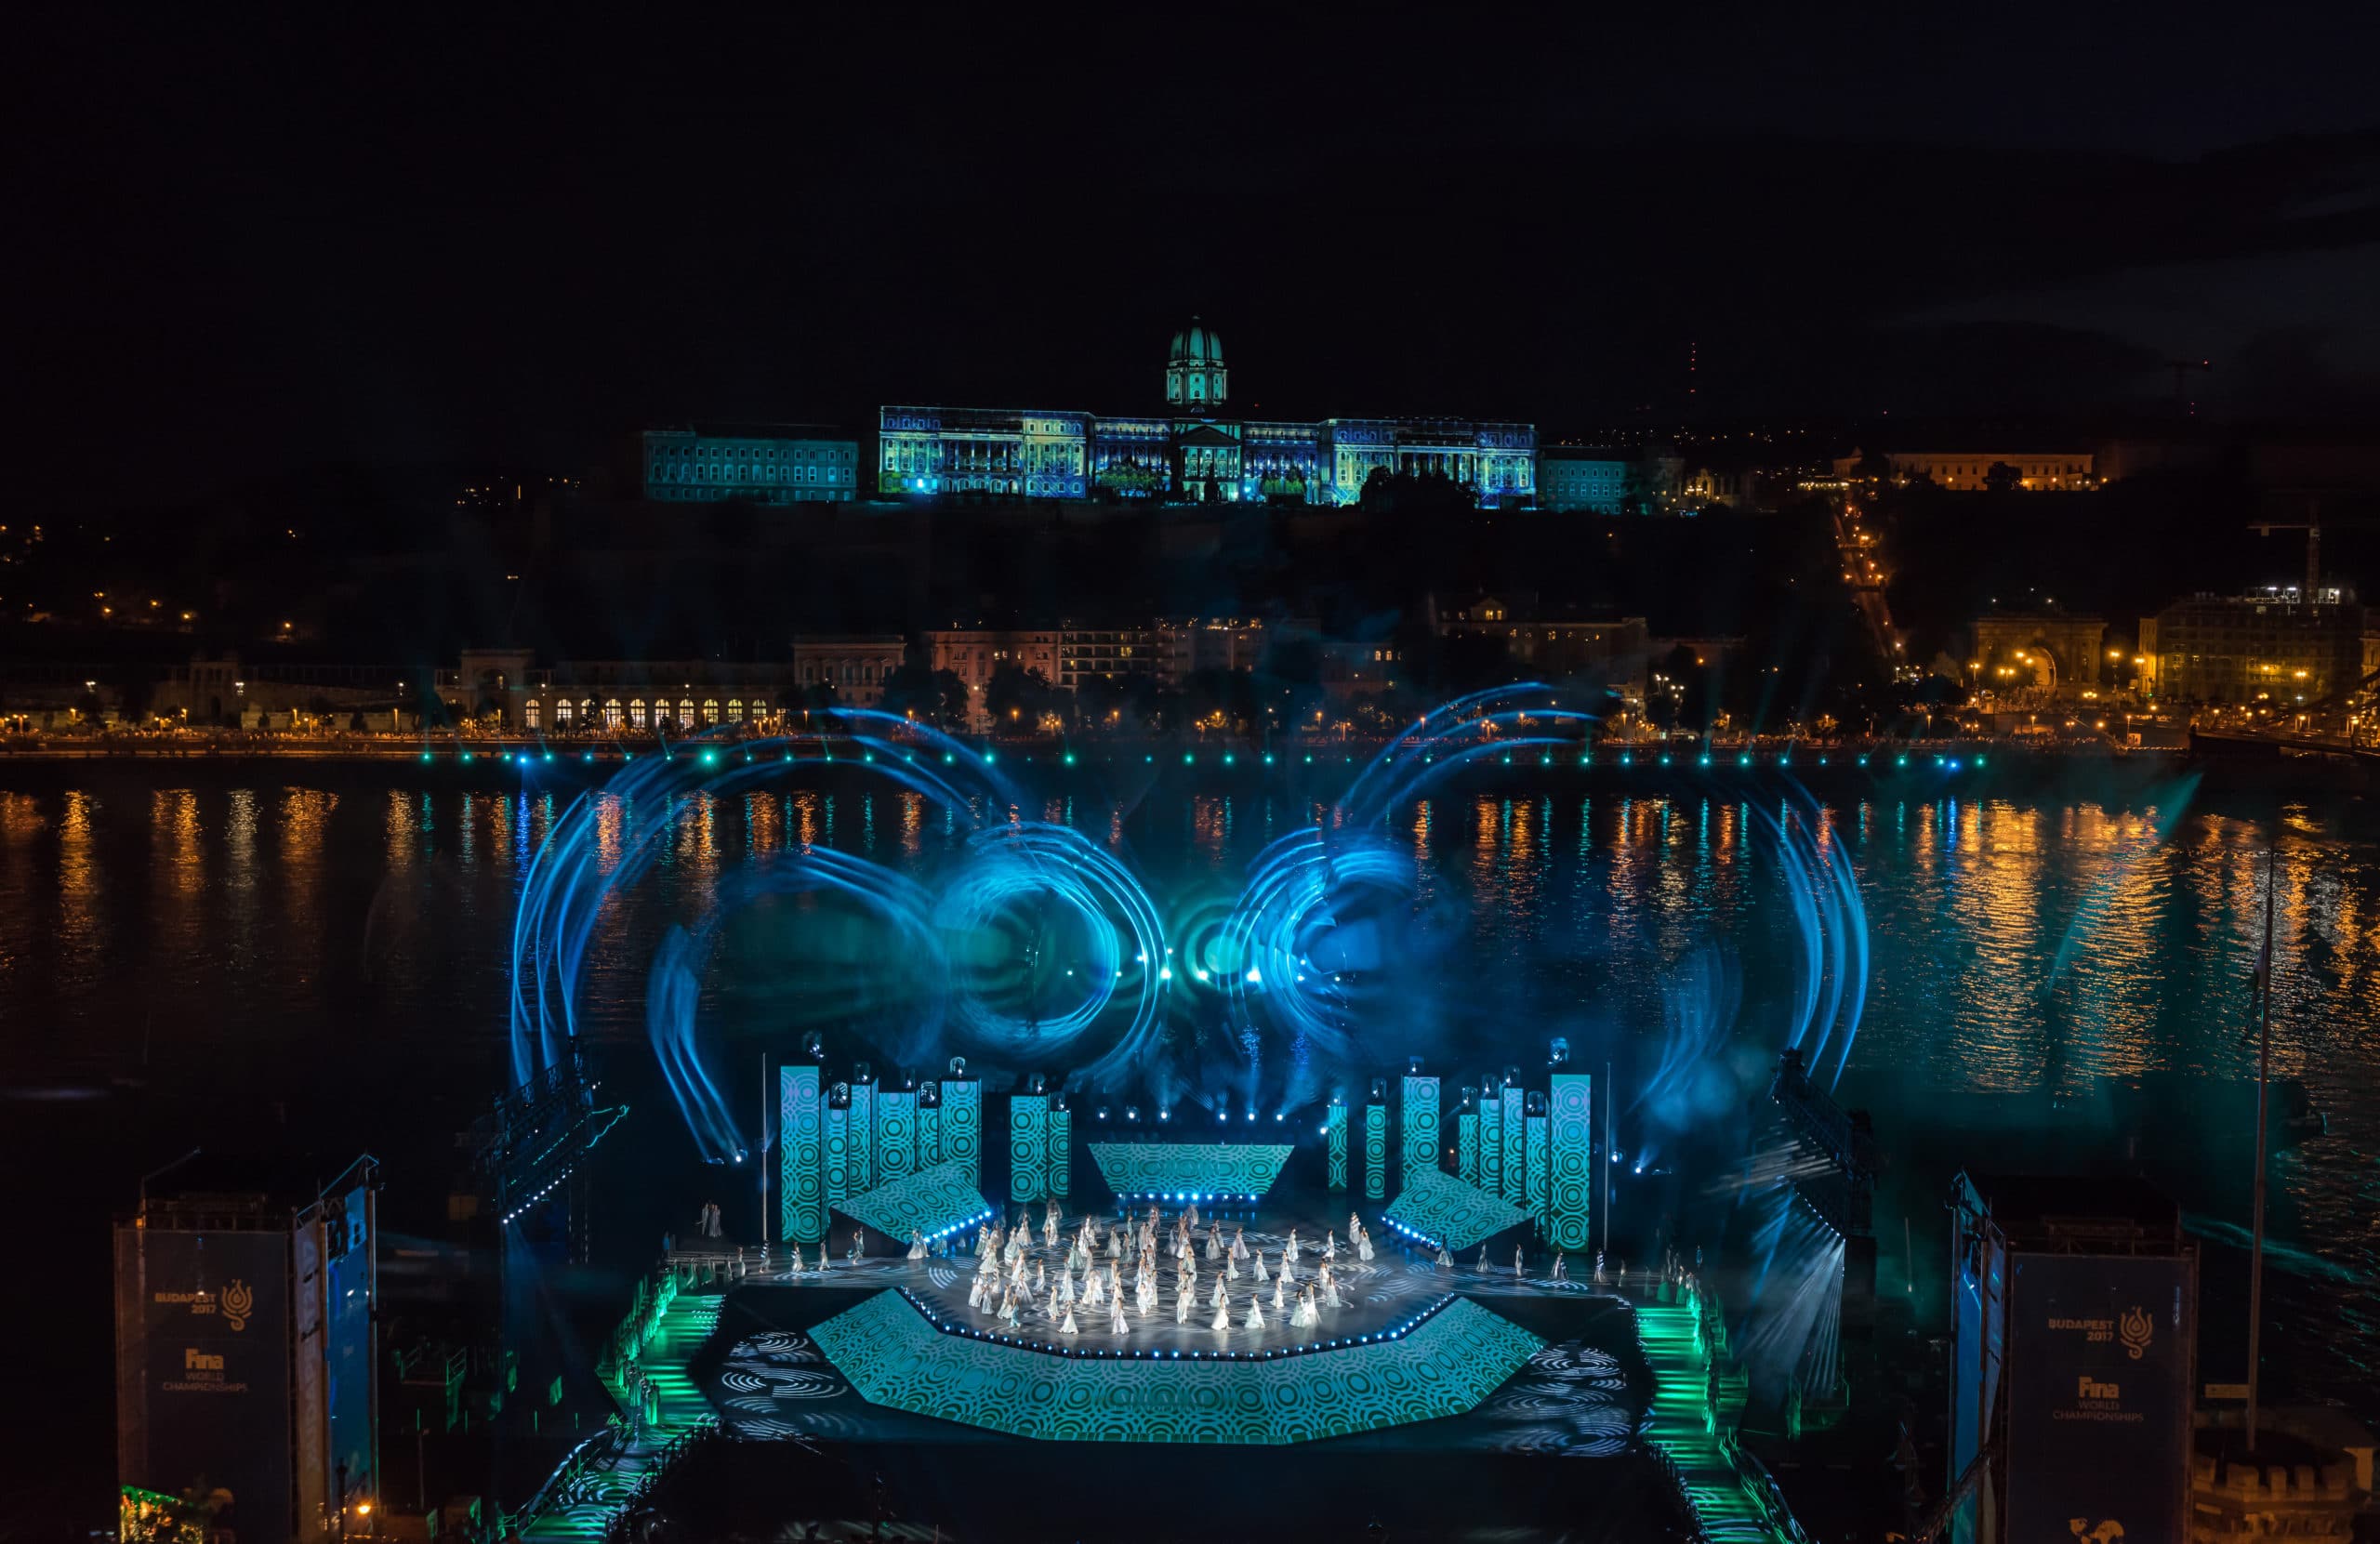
1444 1210
933 1201
1188 1167
1445 1365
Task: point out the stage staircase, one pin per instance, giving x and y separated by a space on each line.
593 1497
1681 1424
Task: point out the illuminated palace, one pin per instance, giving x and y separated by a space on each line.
1193 450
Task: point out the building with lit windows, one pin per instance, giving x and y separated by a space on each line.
2268 647
1192 450
1617 649
754 463
1971 472
976 654
1115 655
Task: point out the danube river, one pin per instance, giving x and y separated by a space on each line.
316 956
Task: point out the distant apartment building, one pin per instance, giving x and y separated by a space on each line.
753 463
2273 647
1087 655
1972 471
1617 649
976 654
598 696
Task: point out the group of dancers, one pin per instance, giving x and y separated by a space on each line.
1011 1282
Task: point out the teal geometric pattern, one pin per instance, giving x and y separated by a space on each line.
962 1127
1188 1167
1535 1187
802 1217
896 1136
1445 1365
933 1201
1375 1151
1513 1173
1061 1152
1337 1125
1490 1174
1420 1119
1466 1147
1444 1210
1028 1146
860 1135
838 1155
1570 1158
929 1136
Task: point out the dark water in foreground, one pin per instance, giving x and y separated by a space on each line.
320 956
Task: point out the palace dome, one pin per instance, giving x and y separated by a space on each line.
1196 344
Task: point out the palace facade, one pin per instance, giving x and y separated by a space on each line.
1193 450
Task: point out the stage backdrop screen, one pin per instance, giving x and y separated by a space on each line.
2100 1360
211 1373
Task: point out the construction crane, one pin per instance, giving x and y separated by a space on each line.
2182 367
2312 526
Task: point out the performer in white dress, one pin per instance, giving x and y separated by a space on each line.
1231 1269
1277 1289
1255 1319
1483 1258
1561 1266
1261 1274
1363 1245
1214 1246
1182 1308
975 1294
1306 1317
1217 1297
1068 1327
1330 1291
1516 1259
1445 1259
1289 1271
1239 1244
1330 1244
1355 1227
1223 1315
1290 1254
1116 1321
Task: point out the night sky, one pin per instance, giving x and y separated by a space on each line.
243 248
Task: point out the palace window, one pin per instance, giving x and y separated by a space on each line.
686 713
529 714
710 710
561 714
636 713
735 710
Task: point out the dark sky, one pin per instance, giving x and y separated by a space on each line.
243 246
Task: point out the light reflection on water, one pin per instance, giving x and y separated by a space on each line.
2019 947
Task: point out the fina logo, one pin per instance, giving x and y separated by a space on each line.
2104 1534
240 1300
2135 1330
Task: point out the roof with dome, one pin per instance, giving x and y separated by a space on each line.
1196 343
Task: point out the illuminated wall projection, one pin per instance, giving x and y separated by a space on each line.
1421 1118
1336 1128
1028 1147
801 1128
1570 1159
1375 1151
